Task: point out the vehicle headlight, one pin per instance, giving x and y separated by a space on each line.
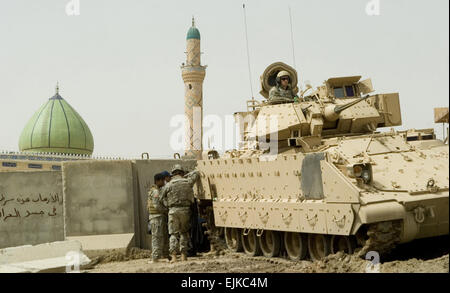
366 176
357 170
361 171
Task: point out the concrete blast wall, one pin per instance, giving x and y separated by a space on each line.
31 208
102 204
99 198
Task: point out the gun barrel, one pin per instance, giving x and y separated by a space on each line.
340 108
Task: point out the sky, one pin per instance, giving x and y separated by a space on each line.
118 62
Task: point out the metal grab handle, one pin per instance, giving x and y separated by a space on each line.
243 216
285 218
312 221
340 222
223 215
264 218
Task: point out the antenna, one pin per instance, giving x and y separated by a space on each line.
248 52
293 49
292 38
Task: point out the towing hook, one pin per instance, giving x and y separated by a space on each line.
419 215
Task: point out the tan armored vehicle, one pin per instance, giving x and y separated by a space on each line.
314 176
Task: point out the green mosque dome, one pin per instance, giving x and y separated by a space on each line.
57 128
193 32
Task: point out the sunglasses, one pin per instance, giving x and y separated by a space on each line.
285 78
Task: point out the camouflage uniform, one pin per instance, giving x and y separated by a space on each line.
278 94
158 222
179 196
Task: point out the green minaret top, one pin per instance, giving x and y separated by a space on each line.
193 32
57 128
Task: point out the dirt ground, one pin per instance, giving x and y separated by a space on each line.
421 256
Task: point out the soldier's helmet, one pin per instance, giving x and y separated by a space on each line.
281 74
177 167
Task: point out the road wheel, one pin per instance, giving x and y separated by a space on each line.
346 244
296 245
233 239
250 243
270 243
319 246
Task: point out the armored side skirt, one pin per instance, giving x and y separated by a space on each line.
421 218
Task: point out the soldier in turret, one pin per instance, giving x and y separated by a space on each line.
158 220
178 196
282 92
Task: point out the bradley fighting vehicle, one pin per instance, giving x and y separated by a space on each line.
314 177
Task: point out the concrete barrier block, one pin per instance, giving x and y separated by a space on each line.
99 242
98 198
95 246
60 256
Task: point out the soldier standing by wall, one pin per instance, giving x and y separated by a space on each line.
158 220
179 196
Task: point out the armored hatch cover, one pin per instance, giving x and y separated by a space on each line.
396 165
268 78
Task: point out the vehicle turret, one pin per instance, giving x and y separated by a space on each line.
336 108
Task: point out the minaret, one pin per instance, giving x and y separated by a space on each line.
193 74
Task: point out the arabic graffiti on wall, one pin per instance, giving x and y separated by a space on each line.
29 207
